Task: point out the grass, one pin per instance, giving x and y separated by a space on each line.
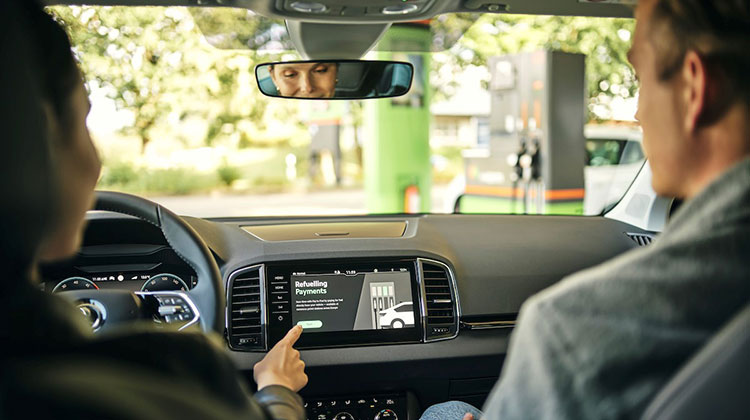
265 176
496 205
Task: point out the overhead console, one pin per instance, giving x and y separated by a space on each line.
342 303
377 10
349 11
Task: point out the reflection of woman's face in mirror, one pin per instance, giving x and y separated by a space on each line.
305 80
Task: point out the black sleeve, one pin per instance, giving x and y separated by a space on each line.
195 360
281 403
50 369
75 386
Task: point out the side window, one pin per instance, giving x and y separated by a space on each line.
633 153
405 308
604 152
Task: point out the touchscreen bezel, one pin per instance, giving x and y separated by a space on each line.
277 328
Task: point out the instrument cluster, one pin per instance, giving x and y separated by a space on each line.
143 282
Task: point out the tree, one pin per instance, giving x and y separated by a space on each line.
163 64
604 41
156 63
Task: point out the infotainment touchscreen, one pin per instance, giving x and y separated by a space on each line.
352 301
344 303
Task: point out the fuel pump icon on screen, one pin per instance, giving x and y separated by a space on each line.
386 313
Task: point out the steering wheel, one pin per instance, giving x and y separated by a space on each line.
204 304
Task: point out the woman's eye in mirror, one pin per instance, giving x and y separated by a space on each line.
289 74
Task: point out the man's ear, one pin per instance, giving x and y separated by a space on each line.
695 90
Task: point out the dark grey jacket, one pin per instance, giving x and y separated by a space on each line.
602 342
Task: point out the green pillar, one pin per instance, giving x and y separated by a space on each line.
397 149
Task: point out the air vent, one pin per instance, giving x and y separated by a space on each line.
641 239
245 313
440 303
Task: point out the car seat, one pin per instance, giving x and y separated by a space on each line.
395 81
715 383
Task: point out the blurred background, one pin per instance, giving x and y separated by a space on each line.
177 116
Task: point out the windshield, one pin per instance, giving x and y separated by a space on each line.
516 114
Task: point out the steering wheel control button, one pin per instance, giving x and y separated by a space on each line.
400 9
343 416
308 7
171 308
94 313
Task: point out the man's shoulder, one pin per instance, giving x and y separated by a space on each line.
594 286
675 273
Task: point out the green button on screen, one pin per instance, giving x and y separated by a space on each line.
310 324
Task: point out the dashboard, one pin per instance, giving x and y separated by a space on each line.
400 312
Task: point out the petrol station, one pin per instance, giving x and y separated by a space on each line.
533 163
535 159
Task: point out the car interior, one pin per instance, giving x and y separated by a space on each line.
347 279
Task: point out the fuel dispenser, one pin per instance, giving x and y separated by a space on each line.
536 150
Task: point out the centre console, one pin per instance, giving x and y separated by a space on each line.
371 407
342 303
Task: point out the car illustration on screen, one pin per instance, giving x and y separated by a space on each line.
399 316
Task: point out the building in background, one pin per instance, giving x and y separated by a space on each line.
462 121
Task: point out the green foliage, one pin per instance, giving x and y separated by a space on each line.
228 174
604 152
124 176
447 163
155 63
229 28
604 41
118 174
176 181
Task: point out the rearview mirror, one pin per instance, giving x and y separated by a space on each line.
334 79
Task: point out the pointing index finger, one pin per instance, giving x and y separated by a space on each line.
293 335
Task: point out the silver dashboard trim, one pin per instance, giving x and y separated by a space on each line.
488 325
423 297
263 313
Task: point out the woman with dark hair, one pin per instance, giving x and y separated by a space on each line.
51 365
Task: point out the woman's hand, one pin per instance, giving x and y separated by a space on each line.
282 365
